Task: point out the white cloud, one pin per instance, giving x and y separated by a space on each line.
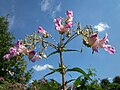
101 26
45 5
40 68
11 21
13 6
49 7
109 78
57 9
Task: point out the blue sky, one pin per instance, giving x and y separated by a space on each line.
25 16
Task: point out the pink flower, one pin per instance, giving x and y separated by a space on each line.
69 19
69 25
96 43
58 21
64 27
21 48
16 50
92 39
13 51
7 56
41 30
109 49
19 43
58 26
69 13
33 56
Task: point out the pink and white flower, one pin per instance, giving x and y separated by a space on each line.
16 50
33 56
69 13
58 26
7 56
21 48
64 27
41 30
96 43
13 51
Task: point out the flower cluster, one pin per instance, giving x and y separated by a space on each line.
16 50
89 37
95 42
19 48
64 27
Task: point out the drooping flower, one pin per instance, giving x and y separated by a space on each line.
109 49
96 43
33 56
44 33
41 30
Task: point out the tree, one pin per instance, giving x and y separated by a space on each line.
14 69
116 79
104 83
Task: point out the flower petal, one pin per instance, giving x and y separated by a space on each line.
109 49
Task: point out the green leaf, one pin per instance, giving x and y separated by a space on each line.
79 70
69 81
53 71
52 53
77 81
49 73
70 50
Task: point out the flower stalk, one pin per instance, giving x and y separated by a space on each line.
64 27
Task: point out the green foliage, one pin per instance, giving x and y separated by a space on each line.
14 70
87 84
116 79
6 37
79 70
43 84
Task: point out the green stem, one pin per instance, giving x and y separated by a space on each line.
72 37
62 64
63 72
